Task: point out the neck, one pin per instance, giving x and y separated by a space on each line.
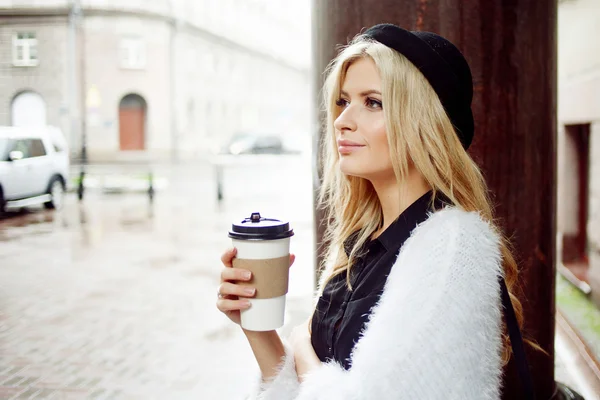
396 197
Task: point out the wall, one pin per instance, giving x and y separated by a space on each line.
579 103
51 33
104 71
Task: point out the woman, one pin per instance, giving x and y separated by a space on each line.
409 305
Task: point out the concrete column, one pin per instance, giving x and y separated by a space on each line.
511 47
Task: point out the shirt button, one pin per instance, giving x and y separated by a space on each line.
329 349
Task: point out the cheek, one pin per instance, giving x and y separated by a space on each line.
379 136
378 143
373 129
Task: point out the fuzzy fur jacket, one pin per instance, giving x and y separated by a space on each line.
435 332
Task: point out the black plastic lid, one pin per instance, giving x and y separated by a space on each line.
259 228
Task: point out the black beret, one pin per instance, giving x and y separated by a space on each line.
443 66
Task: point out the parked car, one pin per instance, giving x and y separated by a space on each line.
34 167
248 143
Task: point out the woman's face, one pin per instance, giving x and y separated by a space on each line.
360 128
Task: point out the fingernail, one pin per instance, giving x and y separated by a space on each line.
249 291
247 275
247 304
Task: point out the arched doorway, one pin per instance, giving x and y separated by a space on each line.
132 122
28 109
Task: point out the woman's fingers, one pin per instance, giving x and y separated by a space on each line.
233 297
231 289
228 256
225 305
235 274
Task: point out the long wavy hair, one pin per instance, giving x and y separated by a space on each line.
420 132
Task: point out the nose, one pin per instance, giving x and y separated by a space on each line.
345 122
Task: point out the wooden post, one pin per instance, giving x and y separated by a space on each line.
511 47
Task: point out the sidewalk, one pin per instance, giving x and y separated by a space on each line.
118 299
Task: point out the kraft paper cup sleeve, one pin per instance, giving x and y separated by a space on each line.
270 276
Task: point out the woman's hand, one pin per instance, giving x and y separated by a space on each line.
304 354
266 346
229 301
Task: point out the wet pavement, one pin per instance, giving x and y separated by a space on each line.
113 298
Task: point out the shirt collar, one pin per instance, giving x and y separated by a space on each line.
396 234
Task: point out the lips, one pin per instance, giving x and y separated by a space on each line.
348 146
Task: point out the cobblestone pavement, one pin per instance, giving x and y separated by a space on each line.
114 298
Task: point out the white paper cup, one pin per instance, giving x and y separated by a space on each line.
263 314
257 239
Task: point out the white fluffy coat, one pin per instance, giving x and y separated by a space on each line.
434 334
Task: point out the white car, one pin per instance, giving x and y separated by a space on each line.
34 167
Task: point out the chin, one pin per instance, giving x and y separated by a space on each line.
348 167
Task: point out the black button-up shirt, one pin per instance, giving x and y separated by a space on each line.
341 314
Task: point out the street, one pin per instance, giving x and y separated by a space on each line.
115 299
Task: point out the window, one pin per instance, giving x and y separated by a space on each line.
209 62
36 148
25 52
209 119
132 53
22 146
191 109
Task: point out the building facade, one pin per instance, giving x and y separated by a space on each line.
155 79
579 140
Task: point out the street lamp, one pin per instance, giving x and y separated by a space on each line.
76 18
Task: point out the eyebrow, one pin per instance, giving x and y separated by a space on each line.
362 94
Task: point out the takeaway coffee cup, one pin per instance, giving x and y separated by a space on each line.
263 247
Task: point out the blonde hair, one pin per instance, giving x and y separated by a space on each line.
421 133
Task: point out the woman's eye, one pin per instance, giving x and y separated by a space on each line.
341 103
372 103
